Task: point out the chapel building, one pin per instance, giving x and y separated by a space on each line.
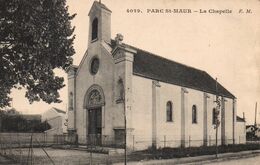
165 103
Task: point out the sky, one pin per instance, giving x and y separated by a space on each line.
226 45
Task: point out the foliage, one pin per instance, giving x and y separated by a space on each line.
252 135
169 153
36 37
17 123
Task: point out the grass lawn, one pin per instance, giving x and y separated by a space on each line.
168 153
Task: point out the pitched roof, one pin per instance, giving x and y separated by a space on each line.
239 119
58 110
152 66
103 6
100 5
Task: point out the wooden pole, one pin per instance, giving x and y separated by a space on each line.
164 141
217 113
133 142
255 113
124 121
125 133
1 120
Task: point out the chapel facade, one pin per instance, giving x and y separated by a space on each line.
164 103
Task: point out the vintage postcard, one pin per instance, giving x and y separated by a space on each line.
151 82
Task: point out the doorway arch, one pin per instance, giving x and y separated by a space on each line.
94 97
94 102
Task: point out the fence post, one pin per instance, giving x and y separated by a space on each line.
44 139
0 146
133 142
10 146
209 140
164 141
189 141
239 140
20 150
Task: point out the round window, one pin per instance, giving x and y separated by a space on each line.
94 65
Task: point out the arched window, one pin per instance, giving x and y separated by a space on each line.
194 114
120 91
94 29
169 111
95 97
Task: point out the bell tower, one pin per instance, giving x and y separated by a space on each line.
99 23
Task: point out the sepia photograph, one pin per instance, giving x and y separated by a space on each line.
92 82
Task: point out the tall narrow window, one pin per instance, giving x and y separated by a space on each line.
169 111
214 116
94 29
194 114
120 91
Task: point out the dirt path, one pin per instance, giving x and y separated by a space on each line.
64 157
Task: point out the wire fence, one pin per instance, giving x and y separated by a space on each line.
42 139
19 147
34 148
140 142
175 142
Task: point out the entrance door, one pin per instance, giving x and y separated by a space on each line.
95 126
